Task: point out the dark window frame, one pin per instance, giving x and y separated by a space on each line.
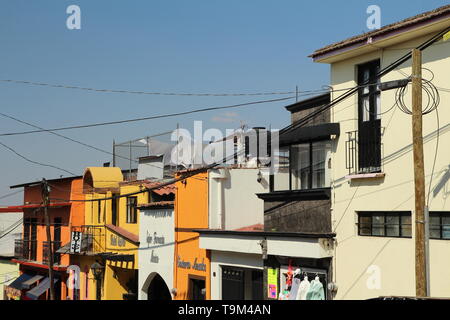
385 214
132 210
439 214
310 165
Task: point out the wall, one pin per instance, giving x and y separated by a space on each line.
8 272
394 256
297 216
235 195
191 212
219 258
155 256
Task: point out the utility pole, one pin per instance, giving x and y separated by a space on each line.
45 197
419 174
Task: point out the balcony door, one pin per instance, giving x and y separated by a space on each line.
369 122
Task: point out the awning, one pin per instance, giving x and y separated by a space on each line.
18 283
27 284
37 291
64 249
311 133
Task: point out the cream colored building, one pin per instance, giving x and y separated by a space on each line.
373 199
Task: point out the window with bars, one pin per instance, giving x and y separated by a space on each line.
385 224
131 209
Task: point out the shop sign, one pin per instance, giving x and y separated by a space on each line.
12 293
272 282
75 242
154 258
196 266
117 241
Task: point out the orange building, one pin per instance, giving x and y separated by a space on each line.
192 264
32 251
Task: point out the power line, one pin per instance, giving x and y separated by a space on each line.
11 194
34 162
74 140
184 94
148 118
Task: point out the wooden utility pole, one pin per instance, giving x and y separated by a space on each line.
45 198
419 174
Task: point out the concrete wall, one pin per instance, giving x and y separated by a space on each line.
359 259
156 250
297 216
233 192
220 258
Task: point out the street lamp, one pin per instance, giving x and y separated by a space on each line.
97 270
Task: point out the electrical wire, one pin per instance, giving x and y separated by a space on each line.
150 117
76 141
11 194
183 94
34 162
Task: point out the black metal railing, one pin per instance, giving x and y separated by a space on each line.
25 249
46 252
93 239
363 154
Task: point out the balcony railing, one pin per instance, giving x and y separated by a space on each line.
45 252
25 249
93 239
364 154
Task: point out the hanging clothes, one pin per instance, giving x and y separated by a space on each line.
294 289
316 290
303 289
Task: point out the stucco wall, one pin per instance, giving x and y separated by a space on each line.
220 258
155 256
240 205
393 257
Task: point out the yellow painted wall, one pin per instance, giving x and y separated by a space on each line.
116 274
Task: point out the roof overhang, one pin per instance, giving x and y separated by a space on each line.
315 246
374 41
318 132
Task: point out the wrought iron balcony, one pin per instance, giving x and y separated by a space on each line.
93 239
25 249
45 252
363 151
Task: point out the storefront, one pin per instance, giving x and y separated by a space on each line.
32 285
236 276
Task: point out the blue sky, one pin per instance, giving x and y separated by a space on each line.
169 46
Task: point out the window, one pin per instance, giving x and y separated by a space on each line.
309 165
440 225
384 224
369 123
115 210
131 210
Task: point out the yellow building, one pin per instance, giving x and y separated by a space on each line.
107 254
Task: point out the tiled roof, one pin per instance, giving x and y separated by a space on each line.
169 189
389 28
255 227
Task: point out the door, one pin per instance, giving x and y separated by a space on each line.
257 285
369 122
233 283
196 288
